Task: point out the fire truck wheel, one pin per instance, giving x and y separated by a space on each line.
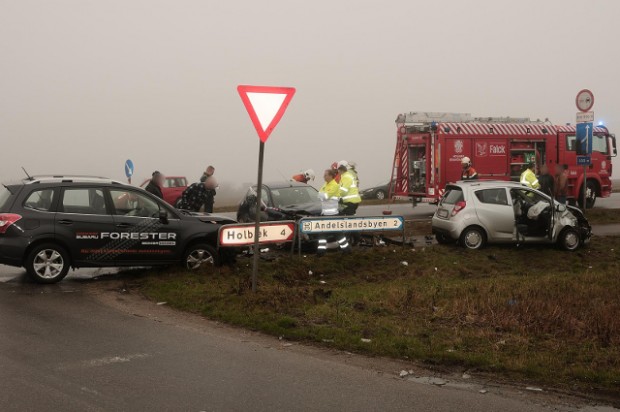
591 191
473 238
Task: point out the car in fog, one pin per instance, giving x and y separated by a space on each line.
280 201
174 186
377 192
473 213
50 224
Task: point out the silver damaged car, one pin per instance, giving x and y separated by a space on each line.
473 213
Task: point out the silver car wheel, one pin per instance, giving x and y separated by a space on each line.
571 240
198 257
48 264
380 195
473 239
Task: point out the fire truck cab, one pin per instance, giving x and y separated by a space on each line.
430 147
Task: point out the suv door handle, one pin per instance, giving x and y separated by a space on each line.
123 225
65 222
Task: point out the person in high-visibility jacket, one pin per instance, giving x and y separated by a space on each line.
528 177
349 191
329 196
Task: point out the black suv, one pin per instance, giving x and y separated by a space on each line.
49 224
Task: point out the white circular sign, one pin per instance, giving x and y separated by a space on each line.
584 100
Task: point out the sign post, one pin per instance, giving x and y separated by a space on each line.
129 170
266 106
336 224
585 126
236 235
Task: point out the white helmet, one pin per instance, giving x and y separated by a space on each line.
309 174
343 163
466 161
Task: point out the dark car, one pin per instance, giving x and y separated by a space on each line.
49 224
280 201
378 192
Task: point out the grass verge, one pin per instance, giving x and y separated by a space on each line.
599 216
532 313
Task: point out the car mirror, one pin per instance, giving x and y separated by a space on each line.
163 216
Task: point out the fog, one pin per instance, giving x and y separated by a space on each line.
86 85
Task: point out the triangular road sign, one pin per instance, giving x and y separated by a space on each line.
265 105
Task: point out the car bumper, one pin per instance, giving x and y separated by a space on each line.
446 228
12 250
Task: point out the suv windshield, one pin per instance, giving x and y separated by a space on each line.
452 196
297 195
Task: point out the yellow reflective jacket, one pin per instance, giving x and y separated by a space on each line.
349 192
529 179
329 198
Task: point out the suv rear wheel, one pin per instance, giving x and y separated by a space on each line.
47 263
200 256
473 238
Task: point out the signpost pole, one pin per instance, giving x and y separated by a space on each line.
259 190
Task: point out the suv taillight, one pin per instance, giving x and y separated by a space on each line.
6 220
458 207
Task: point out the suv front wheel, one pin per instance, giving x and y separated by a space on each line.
201 256
47 263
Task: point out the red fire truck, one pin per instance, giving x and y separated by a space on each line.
430 146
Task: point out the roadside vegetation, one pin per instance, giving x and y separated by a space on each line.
598 216
533 313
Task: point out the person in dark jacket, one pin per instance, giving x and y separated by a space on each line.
154 186
208 176
197 194
546 181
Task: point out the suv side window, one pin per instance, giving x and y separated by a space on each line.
493 196
41 200
85 201
130 203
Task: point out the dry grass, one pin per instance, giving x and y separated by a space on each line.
535 313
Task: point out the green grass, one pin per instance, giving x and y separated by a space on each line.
598 216
538 313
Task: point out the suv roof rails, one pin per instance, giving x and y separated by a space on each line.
70 179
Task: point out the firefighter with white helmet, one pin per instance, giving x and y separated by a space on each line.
304 177
469 173
349 191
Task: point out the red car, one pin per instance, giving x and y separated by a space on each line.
173 188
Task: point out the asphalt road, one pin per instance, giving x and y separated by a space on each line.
85 346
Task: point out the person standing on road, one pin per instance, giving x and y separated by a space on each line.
561 183
349 191
304 177
469 173
155 185
546 181
196 195
211 186
528 177
329 207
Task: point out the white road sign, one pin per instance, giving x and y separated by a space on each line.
269 232
585 117
351 224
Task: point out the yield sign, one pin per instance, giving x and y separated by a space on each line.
265 105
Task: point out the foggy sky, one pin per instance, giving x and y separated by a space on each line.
87 84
